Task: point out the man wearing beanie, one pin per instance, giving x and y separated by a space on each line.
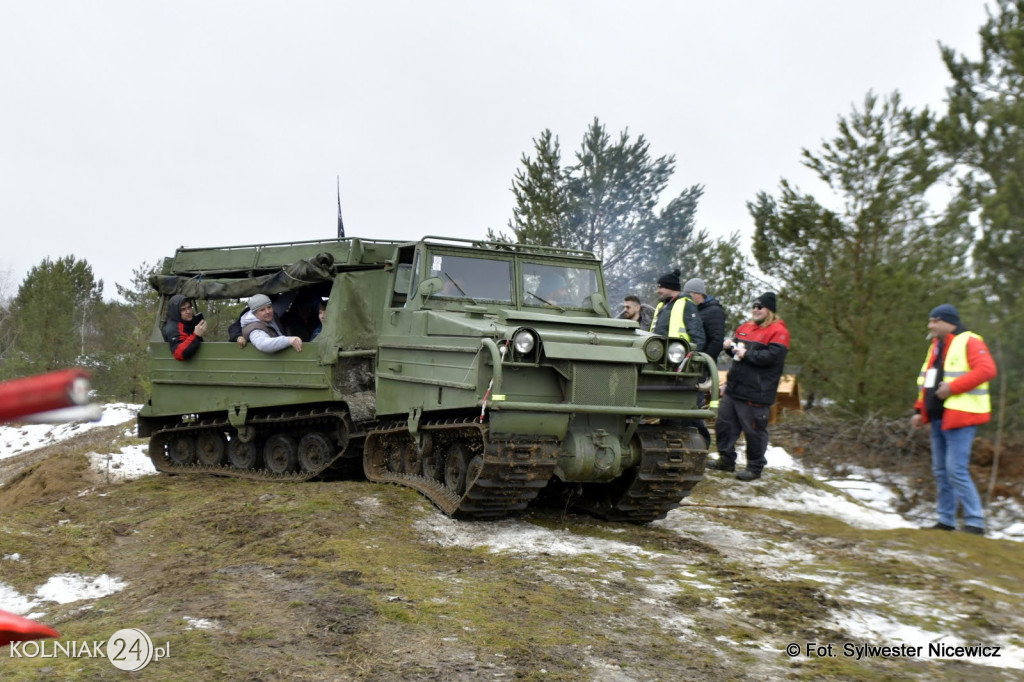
759 354
953 397
676 316
261 328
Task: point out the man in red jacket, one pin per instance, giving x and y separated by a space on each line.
953 397
758 352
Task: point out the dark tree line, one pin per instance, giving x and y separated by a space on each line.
58 319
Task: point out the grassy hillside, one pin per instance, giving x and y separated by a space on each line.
349 580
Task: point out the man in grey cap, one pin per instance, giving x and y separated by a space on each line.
711 314
261 328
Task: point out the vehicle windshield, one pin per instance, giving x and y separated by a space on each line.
558 286
474 279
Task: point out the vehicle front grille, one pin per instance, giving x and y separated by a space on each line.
605 383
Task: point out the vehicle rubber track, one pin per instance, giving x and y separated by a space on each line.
497 477
671 464
297 424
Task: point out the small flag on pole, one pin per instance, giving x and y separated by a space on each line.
341 225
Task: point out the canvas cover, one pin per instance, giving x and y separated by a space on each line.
293 276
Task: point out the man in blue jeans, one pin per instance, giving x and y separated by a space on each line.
953 397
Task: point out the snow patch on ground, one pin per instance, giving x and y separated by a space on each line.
868 626
70 587
200 624
15 440
868 508
61 589
522 538
816 501
130 463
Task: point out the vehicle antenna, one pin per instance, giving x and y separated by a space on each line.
341 225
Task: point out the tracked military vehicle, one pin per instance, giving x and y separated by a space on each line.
478 373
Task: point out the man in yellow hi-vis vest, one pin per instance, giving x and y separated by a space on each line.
676 316
953 397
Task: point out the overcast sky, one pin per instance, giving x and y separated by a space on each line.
129 128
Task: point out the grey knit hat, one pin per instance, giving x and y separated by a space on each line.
695 286
258 301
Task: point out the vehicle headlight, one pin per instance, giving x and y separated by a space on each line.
654 349
524 341
676 352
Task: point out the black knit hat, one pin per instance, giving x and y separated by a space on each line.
766 300
947 313
670 280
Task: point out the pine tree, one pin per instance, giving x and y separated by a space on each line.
54 307
8 328
542 197
860 279
983 133
607 203
126 331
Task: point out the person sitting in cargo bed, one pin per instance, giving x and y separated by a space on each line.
261 328
184 329
300 317
320 327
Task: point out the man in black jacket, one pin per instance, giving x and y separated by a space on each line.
676 315
712 315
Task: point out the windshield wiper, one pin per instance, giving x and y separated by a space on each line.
461 290
545 301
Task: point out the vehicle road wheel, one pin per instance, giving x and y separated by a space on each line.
432 463
314 452
182 450
476 465
455 465
211 449
392 455
158 447
243 455
280 454
411 458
